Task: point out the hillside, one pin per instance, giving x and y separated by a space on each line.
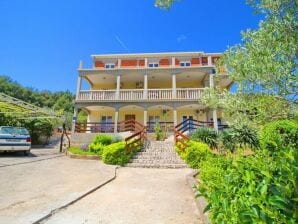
61 101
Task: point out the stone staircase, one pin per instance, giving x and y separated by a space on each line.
157 154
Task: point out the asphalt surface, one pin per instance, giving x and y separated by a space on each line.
137 195
32 187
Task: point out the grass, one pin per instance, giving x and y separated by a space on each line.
78 151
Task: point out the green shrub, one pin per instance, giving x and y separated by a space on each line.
240 136
195 153
245 136
115 154
227 140
279 134
251 189
159 134
206 135
96 148
104 139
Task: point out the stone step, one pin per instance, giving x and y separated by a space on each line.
153 157
152 154
157 161
157 154
160 166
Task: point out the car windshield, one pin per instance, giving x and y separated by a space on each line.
14 131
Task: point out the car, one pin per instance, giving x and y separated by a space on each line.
15 139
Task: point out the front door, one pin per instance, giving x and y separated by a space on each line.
130 117
152 121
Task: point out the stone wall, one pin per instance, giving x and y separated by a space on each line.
78 139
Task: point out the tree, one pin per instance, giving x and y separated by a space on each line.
164 4
264 66
266 61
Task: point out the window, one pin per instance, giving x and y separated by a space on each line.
153 65
109 65
185 64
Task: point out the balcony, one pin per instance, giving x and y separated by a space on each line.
185 94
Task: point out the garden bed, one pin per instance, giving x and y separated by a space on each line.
83 156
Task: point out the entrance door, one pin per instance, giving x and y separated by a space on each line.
130 117
152 121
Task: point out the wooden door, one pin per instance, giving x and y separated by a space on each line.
130 117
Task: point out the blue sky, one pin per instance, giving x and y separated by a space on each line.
42 41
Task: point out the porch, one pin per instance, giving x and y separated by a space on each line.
109 119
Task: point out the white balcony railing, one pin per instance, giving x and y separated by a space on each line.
140 94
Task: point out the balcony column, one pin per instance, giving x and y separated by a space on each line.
173 61
116 120
214 113
209 61
74 119
174 86
175 116
145 116
214 116
145 93
211 81
79 83
118 87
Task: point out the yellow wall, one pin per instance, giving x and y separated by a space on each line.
152 84
190 112
189 84
95 116
101 86
139 114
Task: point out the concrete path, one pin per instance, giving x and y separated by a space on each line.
137 195
31 190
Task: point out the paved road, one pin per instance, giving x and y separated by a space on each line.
14 158
31 187
147 196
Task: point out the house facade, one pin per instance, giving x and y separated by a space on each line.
148 88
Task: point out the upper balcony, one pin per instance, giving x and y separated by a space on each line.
127 95
153 61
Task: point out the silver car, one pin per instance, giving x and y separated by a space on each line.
14 139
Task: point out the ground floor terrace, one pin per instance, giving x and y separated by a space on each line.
107 117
